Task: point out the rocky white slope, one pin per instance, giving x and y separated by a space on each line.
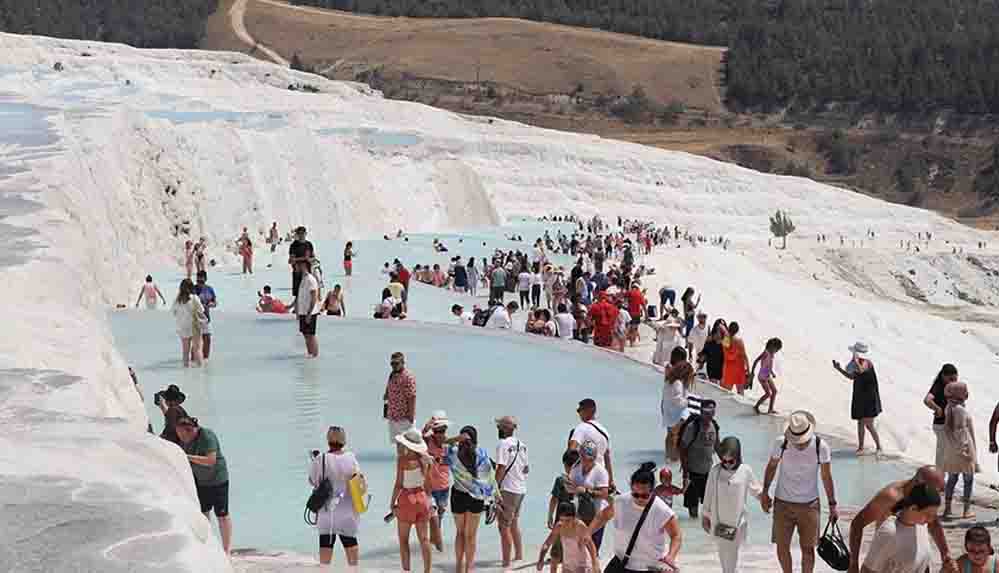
110 157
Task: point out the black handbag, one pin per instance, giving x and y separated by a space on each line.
832 549
620 565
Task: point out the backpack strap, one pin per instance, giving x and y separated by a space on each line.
602 433
818 441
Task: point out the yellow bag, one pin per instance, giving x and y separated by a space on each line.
358 487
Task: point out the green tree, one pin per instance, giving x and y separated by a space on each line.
781 226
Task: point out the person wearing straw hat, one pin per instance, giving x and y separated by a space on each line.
801 456
866 402
411 495
435 436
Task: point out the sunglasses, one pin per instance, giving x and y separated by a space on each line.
336 429
637 495
727 461
188 422
440 431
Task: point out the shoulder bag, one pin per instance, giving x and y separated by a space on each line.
321 495
620 564
719 528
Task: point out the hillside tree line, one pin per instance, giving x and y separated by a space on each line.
890 55
140 23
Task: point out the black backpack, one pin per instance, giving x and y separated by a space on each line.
320 496
696 418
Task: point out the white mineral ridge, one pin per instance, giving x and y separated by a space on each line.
115 154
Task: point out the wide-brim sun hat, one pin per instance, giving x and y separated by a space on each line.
412 441
859 348
173 394
800 427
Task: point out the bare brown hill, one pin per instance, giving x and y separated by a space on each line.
518 55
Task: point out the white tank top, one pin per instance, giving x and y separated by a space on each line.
412 479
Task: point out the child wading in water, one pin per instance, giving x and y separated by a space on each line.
767 375
579 554
979 557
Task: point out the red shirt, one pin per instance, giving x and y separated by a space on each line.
401 388
404 277
636 303
603 315
440 473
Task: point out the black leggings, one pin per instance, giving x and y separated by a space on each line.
525 298
536 296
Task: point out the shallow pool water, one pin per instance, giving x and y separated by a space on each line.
270 406
373 137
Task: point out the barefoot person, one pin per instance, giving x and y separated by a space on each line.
979 555
435 435
337 518
206 295
902 543
866 402
334 304
211 475
881 507
511 474
189 316
730 483
474 485
150 291
767 374
307 307
411 496
348 258
578 553
802 458
648 552
736 369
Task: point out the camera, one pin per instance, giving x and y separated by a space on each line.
158 398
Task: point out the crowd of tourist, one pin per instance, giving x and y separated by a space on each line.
600 299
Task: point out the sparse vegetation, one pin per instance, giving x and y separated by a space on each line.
781 226
141 23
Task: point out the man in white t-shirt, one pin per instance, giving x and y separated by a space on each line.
501 317
307 307
649 552
590 430
801 456
565 321
511 475
698 335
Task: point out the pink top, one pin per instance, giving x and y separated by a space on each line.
440 473
766 367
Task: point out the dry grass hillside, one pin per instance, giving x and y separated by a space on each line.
519 55
532 72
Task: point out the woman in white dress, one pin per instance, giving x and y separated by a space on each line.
337 518
189 316
902 543
730 483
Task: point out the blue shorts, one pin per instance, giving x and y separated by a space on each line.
440 499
